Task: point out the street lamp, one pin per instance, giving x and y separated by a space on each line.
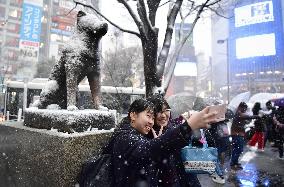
228 66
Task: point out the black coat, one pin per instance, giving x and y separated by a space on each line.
137 159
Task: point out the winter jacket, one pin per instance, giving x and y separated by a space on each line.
137 159
280 118
239 122
168 172
259 125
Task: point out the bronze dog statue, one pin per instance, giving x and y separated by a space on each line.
79 59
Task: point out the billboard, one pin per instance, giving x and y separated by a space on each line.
186 60
30 30
256 37
256 45
254 13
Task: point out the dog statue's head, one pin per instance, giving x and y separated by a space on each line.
91 25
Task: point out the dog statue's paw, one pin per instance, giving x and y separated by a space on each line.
72 108
35 104
53 107
103 108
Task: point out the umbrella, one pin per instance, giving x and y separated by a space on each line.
184 102
278 102
242 97
261 98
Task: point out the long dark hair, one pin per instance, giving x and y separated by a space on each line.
159 101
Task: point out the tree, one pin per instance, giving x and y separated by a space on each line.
120 67
145 20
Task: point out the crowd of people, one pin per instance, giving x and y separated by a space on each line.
146 145
268 126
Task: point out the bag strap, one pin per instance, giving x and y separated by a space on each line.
203 139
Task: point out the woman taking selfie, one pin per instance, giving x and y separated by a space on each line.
136 158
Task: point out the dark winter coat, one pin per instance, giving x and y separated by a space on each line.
239 122
137 158
280 117
259 125
168 172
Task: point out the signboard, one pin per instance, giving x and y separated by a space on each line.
254 13
186 69
30 30
31 23
256 39
257 45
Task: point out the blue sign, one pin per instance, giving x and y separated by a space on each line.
256 40
31 23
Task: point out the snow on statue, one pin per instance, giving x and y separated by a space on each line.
80 58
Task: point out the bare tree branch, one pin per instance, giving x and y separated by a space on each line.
143 16
153 7
168 37
211 4
134 17
112 23
169 73
165 3
71 10
217 13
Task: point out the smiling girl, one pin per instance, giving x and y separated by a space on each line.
136 157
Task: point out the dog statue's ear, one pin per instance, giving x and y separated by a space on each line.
81 14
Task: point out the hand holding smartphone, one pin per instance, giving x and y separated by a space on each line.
220 110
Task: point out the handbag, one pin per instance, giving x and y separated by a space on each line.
200 160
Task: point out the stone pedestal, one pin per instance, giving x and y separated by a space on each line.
37 157
69 121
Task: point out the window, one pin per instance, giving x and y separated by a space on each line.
12 41
14 14
17 3
13 27
2 12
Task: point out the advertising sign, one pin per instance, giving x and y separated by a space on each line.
256 39
254 13
257 45
30 30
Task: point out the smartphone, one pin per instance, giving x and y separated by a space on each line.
220 110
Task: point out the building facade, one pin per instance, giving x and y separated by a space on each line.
32 32
256 44
247 48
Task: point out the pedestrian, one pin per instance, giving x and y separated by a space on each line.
238 133
270 133
260 129
220 139
162 123
279 130
136 157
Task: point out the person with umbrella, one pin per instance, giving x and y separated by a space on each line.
238 133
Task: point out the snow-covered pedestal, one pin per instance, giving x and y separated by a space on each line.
69 121
39 157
